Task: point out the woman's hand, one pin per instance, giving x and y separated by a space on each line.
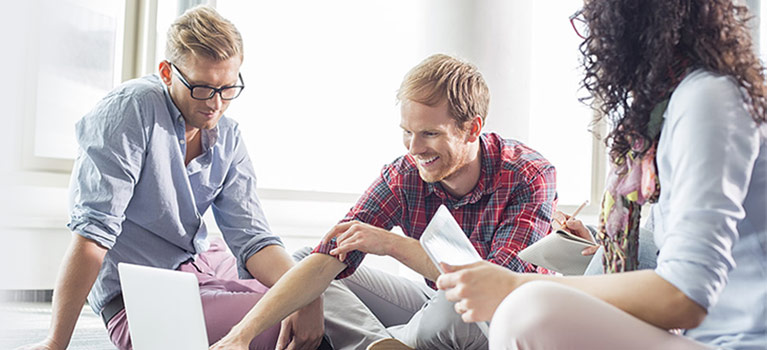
562 221
477 288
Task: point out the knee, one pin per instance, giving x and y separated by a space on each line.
438 317
529 309
302 253
441 327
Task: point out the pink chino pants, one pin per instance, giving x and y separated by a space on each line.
548 315
225 299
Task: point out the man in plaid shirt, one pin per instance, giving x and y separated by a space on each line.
501 192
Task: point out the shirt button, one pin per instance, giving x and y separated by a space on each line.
180 119
182 141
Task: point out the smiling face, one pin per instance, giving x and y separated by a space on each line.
200 114
441 150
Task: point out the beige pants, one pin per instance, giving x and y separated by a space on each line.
548 315
414 313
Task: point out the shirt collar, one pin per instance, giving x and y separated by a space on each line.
173 111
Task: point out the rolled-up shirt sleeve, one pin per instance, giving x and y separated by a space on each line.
711 151
238 210
379 207
111 139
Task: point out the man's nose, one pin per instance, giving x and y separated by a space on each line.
214 102
415 146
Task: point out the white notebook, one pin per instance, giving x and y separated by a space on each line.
444 241
559 251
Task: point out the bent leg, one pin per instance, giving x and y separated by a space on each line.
438 326
414 313
226 298
223 309
348 321
118 331
548 315
392 299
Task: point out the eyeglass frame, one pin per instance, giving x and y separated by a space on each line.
577 16
214 90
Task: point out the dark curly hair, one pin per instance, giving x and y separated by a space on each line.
632 45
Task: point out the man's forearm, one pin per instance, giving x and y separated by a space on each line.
79 270
409 252
269 264
297 288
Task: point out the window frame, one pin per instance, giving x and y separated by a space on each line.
133 53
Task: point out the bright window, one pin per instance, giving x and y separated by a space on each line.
79 52
319 112
559 123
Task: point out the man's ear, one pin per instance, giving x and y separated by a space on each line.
165 72
475 128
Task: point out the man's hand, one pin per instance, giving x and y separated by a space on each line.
231 342
303 329
562 221
477 288
355 235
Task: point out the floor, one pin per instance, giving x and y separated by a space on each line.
27 322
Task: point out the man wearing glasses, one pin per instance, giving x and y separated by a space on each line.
154 155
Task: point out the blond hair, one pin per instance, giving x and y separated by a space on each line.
202 32
441 77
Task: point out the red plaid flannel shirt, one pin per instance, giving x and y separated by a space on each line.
509 209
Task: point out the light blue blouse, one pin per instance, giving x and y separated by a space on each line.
711 217
131 192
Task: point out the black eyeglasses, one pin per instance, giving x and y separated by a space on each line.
579 24
205 92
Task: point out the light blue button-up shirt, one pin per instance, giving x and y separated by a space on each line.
132 193
711 217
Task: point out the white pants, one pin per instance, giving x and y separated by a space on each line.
414 313
548 315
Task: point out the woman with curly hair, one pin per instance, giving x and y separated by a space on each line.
686 99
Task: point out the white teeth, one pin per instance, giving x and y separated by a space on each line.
426 161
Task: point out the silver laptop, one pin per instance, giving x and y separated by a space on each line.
163 307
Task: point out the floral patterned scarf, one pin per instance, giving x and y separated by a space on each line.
632 182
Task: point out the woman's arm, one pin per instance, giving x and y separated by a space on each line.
479 288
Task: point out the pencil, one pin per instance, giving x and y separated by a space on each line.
572 216
583 205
